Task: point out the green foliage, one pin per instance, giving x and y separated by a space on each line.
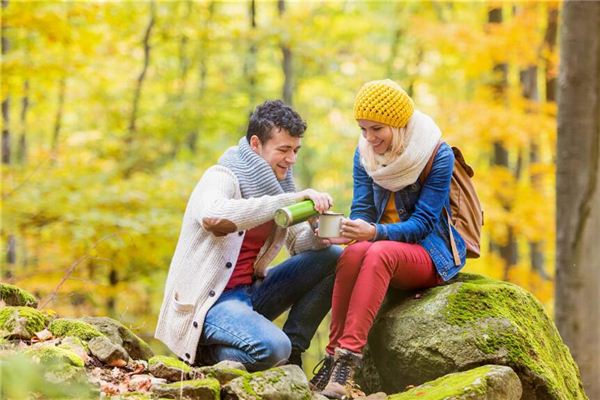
63 327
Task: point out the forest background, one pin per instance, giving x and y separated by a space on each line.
111 111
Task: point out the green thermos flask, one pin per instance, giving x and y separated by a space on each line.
296 213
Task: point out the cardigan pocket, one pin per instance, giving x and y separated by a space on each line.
180 306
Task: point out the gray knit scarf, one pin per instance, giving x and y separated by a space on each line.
254 174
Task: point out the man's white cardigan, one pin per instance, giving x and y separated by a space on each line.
203 262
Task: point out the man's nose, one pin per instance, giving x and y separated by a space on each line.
291 158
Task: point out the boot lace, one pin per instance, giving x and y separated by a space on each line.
321 377
342 370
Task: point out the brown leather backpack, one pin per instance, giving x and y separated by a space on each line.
465 209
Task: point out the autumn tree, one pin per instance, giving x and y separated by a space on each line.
578 189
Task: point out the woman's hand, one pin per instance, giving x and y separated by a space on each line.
357 229
323 201
330 241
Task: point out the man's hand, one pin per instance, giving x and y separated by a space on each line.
323 201
357 229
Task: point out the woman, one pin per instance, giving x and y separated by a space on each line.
401 234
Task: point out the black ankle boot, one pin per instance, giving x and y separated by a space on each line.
295 358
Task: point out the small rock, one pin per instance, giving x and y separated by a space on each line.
169 368
199 389
287 382
76 346
121 335
15 296
224 371
107 351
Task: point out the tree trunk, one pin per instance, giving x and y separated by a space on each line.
251 59
5 100
578 189
140 80
62 88
288 72
22 146
529 90
111 301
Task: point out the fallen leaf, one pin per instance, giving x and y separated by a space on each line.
118 363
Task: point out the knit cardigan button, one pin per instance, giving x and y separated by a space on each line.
228 265
240 233
187 355
211 293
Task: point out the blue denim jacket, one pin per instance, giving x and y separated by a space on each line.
420 210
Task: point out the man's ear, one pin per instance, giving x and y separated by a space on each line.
255 143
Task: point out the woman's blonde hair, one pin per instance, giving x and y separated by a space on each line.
373 160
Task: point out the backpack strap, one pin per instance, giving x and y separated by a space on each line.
422 178
429 165
455 254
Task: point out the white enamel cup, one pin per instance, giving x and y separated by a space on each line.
330 224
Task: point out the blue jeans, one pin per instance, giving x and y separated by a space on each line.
238 326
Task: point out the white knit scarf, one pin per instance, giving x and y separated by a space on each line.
254 174
422 136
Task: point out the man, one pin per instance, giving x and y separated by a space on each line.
219 297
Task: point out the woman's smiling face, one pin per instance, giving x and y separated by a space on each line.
378 135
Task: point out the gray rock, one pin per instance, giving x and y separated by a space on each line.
75 345
490 382
199 389
107 351
121 335
282 383
224 371
469 322
169 368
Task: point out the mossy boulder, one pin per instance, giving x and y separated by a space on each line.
15 296
59 364
21 322
169 368
63 327
118 333
488 382
198 389
282 383
470 322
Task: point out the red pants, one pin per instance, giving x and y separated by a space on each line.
364 272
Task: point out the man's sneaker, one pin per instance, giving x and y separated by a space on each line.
320 378
344 367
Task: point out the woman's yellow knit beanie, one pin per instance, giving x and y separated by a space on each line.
384 101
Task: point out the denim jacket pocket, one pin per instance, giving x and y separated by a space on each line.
180 306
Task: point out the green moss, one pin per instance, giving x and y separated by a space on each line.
36 320
473 381
49 355
492 305
169 362
15 296
71 327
